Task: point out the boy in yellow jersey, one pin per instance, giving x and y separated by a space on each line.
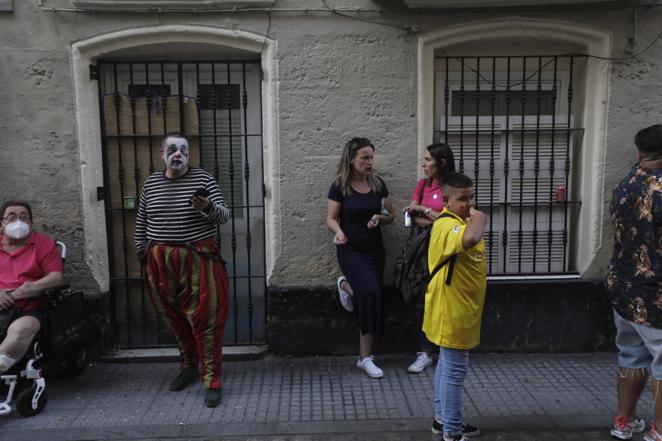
454 300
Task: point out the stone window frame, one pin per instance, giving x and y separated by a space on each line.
591 182
458 4
156 5
88 124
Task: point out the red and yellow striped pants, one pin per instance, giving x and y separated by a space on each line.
190 293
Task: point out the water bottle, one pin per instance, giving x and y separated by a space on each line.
407 219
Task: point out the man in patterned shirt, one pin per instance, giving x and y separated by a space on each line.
634 284
175 237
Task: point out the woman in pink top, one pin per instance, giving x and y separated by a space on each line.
425 206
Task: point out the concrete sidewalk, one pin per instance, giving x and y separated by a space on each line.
328 398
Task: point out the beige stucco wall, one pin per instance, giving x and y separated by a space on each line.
337 77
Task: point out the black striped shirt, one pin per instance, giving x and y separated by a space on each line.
165 214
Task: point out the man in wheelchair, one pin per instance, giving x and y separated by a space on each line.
30 263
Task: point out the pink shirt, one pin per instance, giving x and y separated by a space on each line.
38 257
432 195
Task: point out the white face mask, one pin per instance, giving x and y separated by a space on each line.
17 230
175 153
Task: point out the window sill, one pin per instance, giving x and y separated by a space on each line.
505 278
459 4
155 5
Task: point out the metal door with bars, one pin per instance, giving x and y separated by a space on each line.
217 106
510 122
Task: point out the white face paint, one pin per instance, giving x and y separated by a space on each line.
175 153
17 230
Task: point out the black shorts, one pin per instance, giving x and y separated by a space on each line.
36 313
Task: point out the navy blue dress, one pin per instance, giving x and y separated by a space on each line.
361 258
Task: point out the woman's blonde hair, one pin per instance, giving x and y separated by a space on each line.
345 167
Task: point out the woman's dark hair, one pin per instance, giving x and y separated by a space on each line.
15 204
441 152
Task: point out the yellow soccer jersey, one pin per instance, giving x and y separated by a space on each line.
453 312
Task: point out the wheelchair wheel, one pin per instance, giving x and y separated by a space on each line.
24 401
75 364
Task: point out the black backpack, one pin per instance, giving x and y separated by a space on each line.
411 269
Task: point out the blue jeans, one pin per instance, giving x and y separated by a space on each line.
449 376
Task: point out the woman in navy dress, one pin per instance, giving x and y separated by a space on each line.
357 207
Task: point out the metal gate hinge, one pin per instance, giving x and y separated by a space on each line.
94 72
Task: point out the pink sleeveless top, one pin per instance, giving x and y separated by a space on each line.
432 195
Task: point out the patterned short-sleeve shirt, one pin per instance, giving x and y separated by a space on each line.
634 278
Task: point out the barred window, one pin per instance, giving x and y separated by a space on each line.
217 106
512 127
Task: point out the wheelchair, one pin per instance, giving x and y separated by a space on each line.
25 382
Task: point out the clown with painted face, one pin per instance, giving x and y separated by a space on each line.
29 264
179 211
174 152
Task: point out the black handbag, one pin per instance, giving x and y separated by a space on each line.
410 273
70 328
411 268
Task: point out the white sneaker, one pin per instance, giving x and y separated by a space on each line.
369 366
623 429
345 298
422 361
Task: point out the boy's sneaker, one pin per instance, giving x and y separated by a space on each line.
467 429
345 298
370 368
422 361
653 435
455 438
623 429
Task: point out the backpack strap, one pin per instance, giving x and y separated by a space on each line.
450 260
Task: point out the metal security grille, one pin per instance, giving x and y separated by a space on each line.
510 122
217 106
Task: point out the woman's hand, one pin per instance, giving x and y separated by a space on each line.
412 205
415 209
339 238
333 221
374 221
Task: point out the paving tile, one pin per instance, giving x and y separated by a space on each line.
528 390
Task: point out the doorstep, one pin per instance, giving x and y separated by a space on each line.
171 354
